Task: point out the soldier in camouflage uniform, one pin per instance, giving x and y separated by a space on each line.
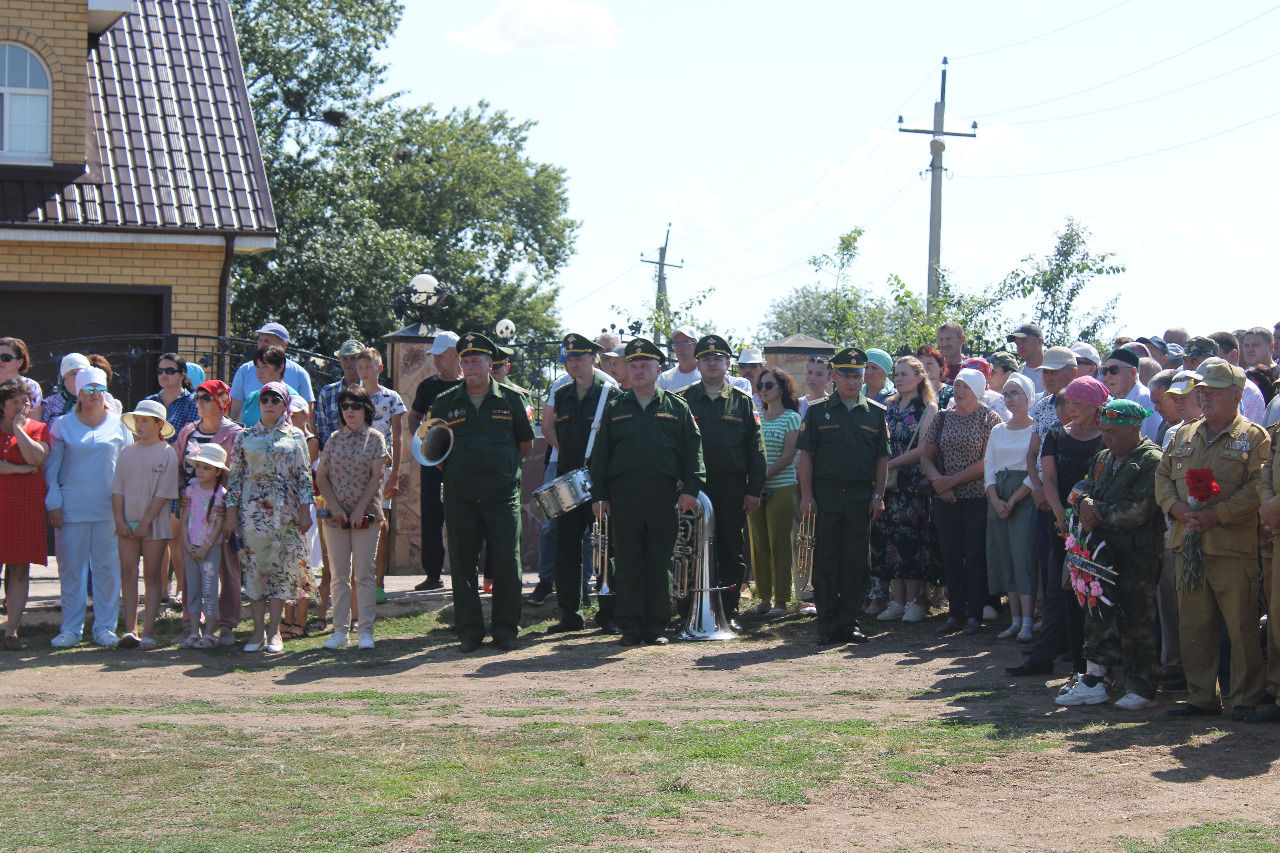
1118 506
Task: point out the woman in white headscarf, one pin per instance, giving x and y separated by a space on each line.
1010 550
269 497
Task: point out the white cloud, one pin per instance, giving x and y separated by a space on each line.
542 25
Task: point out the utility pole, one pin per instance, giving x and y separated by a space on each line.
662 302
936 147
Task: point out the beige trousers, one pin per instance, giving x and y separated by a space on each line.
351 554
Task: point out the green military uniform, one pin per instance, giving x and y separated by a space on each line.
733 450
844 443
1269 492
482 498
1230 589
642 460
1123 493
574 415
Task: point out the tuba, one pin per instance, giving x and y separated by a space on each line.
432 442
804 540
600 552
694 554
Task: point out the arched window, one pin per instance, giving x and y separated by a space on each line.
24 105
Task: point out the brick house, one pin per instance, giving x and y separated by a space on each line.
130 171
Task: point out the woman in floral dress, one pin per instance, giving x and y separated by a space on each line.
904 541
269 491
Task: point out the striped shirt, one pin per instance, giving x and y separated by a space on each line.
774 433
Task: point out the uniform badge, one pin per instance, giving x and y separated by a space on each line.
828 416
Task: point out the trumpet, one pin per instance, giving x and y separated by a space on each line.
804 540
432 442
600 552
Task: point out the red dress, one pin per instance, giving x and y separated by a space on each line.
22 519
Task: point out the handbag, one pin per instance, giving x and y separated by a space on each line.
891 479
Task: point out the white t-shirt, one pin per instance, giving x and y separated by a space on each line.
1033 373
675 379
1006 451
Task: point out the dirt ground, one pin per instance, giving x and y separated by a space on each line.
1104 782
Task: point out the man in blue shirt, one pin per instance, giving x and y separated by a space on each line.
246 381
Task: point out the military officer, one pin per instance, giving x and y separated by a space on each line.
841 463
492 434
733 451
1118 506
646 467
1269 513
1234 449
574 409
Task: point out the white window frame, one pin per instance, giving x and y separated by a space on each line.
44 158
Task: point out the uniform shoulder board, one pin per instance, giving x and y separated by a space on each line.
876 404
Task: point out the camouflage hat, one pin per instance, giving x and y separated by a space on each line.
1200 347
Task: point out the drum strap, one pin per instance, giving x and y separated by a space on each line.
595 424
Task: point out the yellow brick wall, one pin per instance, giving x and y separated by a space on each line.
57 31
190 272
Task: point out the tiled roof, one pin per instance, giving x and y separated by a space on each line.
176 147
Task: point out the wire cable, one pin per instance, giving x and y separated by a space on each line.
587 296
1044 34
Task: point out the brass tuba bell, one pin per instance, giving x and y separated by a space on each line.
432 442
694 554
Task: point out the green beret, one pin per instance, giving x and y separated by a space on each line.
474 342
711 345
1004 361
850 358
1124 413
575 344
642 348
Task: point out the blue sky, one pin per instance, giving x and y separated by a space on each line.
762 131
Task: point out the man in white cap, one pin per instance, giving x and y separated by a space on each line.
685 371
750 366
448 374
245 382
1087 359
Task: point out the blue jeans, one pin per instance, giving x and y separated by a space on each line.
82 548
547 539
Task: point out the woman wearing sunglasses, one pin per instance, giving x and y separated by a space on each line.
15 360
212 426
770 528
176 392
269 493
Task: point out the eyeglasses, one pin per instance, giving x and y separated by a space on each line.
94 389
270 397
352 407
1114 369
167 371
204 398
7 357
768 386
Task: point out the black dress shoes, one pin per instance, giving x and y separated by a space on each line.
831 639
607 625
429 584
1265 714
1030 667
1186 709
656 641
628 640
506 644
469 645
563 626
856 636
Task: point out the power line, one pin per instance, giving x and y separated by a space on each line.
587 296
1131 73
1122 159
1044 34
1148 98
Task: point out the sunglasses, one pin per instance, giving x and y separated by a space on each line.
7 357
204 398
1114 370
270 397
819 359
167 371
94 389
768 386
352 407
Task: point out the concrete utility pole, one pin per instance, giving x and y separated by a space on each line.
936 147
663 302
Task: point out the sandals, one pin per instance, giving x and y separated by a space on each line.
293 631
320 623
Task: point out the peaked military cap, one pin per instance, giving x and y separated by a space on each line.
642 348
474 342
502 355
711 345
850 358
575 344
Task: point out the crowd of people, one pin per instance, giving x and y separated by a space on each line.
1119 508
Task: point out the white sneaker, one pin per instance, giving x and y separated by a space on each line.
892 613
106 639
989 614
874 608
1133 702
275 645
808 609
914 612
65 640
1083 694
339 640
366 641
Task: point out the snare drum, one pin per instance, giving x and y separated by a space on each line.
564 494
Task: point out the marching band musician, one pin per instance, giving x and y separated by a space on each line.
648 451
733 451
492 434
842 463
568 429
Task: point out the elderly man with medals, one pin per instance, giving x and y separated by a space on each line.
842 463
733 451
646 467
578 407
492 435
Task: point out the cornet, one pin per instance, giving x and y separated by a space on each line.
600 552
804 547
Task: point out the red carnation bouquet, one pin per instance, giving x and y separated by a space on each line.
1091 580
1202 488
